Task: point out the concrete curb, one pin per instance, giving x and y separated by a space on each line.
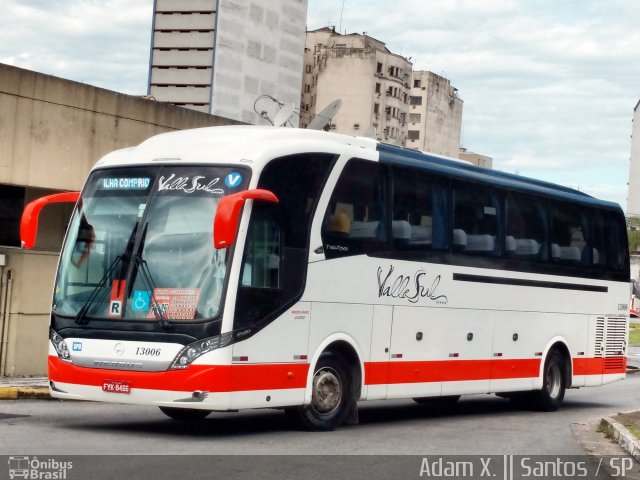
620 434
15 393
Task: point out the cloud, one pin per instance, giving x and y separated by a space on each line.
103 43
548 87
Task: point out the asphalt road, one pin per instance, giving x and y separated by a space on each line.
480 424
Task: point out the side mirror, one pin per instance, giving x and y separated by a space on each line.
29 221
225 223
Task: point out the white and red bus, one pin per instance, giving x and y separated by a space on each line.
243 267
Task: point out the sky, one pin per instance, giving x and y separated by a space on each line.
548 86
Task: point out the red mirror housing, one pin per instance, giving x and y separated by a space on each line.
225 223
29 221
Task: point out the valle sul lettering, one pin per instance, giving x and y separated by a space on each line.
188 185
408 287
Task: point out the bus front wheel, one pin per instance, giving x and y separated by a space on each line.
331 397
185 414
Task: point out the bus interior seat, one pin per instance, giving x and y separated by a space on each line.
565 253
401 230
421 234
361 229
459 239
480 243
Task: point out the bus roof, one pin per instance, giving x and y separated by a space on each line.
464 170
231 144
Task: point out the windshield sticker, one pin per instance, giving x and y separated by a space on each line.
233 180
141 301
197 183
124 183
175 303
117 296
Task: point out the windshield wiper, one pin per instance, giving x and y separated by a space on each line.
148 282
81 317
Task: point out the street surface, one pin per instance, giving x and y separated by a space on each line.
480 424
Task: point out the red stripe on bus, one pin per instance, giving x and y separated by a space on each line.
599 366
379 373
212 378
230 378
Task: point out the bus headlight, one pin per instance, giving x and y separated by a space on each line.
60 344
196 349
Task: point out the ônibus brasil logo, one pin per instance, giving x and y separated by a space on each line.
33 468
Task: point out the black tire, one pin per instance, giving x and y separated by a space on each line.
331 396
448 401
185 414
554 383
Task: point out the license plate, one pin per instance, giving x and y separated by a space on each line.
116 386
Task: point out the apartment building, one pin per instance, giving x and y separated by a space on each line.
434 115
372 82
219 56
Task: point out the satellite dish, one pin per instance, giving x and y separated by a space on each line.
370 132
323 118
283 115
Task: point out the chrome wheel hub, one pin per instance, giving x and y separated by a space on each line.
554 380
327 391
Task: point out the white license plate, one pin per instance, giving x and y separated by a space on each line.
116 386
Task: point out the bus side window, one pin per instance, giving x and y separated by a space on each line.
476 220
276 253
609 241
526 234
261 266
356 220
570 234
419 211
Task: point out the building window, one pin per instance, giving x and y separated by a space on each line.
376 108
414 117
52 225
379 67
415 100
308 68
378 87
11 206
307 88
416 84
413 134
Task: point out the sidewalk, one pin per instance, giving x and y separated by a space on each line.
29 387
624 428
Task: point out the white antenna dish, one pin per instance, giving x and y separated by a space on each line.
283 115
323 118
370 132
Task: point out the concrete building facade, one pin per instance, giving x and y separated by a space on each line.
372 82
633 195
475 158
219 56
435 115
52 131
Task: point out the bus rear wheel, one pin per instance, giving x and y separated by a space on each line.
185 414
331 398
554 383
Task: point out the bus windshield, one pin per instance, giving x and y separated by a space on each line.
140 245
